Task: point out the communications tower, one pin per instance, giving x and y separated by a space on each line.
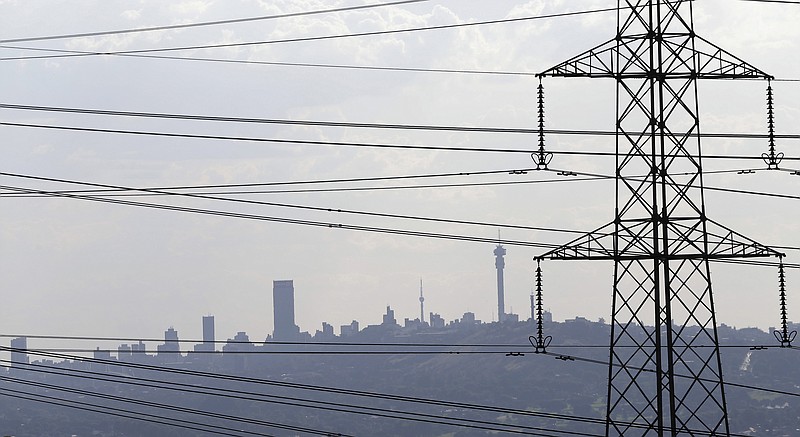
500 264
421 303
665 374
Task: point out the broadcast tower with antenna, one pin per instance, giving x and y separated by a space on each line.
421 303
500 264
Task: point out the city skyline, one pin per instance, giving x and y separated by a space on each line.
113 266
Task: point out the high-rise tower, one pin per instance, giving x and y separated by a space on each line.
500 264
19 352
208 332
283 311
209 343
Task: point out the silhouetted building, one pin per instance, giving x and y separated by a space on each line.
171 348
124 352
208 344
283 311
208 330
240 342
388 318
236 351
138 348
101 354
19 352
469 319
413 324
349 330
326 334
436 321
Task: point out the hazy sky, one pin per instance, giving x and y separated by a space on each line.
74 267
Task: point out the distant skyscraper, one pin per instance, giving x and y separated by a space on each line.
208 331
19 352
388 318
533 306
171 348
421 303
283 311
500 264
209 338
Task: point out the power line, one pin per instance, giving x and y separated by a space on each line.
208 23
526 346
721 189
324 123
286 205
338 66
315 388
286 220
313 223
174 408
124 193
297 352
383 396
111 411
690 377
254 202
76 53
312 64
276 343
339 407
363 145
339 180
318 388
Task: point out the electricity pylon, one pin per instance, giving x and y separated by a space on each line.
665 374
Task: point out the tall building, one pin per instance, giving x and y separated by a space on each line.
171 347
19 352
500 264
209 339
208 331
283 311
388 318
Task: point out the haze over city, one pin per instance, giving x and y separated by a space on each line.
84 268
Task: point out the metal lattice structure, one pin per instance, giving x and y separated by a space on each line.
665 374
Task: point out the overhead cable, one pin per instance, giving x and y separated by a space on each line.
316 388
174 408
326 123
359 145
255 202
117 412
207 23
286 220
339 407
76 53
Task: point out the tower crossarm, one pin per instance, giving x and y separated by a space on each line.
623 58
724 242
685 241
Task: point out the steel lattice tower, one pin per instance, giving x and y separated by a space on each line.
665 374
